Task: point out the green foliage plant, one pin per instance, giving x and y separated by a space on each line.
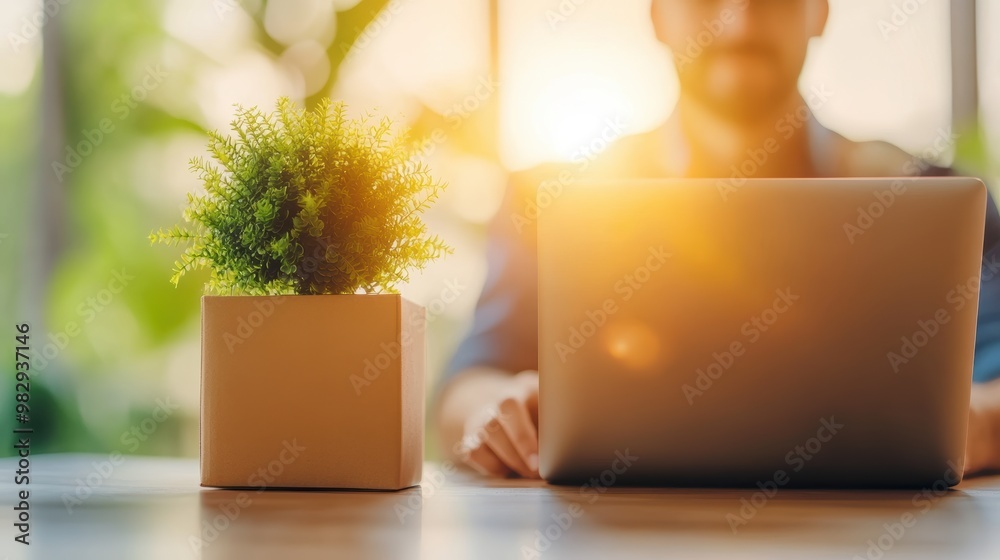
304 201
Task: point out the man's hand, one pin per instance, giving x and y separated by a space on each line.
502 437
494 418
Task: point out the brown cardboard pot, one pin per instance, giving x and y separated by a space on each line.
321 391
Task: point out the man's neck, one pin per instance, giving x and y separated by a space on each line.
776 144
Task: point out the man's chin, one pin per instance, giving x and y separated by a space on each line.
746 109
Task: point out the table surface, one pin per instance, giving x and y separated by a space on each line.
83 506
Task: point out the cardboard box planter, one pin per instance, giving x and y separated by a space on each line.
312 391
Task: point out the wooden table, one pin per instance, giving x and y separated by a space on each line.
153 508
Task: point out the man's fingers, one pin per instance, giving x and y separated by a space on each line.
516 422
497 440
484 460
504 440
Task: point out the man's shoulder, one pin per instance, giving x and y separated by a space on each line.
876 158
641 155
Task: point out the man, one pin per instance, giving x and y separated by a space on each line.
738 95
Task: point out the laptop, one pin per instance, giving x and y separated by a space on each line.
786 332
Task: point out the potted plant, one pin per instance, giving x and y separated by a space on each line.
312 370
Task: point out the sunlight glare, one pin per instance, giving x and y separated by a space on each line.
633 344
571 111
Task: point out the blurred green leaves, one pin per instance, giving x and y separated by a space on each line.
68 234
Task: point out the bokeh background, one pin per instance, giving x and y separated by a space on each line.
103 102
